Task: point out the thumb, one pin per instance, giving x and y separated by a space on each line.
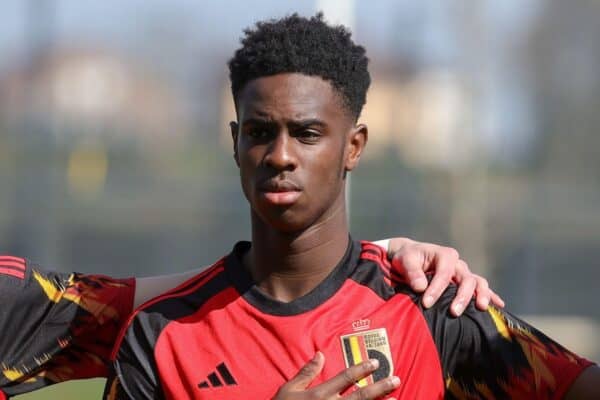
308 372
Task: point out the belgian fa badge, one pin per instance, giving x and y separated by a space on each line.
361 346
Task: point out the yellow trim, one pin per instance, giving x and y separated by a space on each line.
500 323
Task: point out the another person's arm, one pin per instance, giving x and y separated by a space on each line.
586 386
415 260
493 354
56 326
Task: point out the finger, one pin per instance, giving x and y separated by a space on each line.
482 300
345 378
375 390
464 294
445 268
307 373
497 300
410 264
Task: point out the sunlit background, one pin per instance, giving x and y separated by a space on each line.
115 156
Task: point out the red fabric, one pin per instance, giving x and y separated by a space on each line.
12 272
255 345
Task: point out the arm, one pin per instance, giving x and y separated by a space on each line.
413 260
586 386
133 373
56 326
495 354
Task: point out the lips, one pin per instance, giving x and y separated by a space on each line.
281 193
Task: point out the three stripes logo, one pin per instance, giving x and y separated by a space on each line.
220 377
13 266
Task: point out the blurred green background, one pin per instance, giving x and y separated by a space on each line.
115 156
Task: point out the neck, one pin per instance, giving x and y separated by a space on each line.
287 266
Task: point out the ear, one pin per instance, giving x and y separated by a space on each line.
234 135
355 146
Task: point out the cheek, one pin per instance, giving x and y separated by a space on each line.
249 159
327 172
247 168
332 162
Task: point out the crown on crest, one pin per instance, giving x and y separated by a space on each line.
361 324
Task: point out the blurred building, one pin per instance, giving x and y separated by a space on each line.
482 116
93 93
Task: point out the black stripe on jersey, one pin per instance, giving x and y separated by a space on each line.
225 374
371 274
245 285
348 350
214 380
191 282
182 305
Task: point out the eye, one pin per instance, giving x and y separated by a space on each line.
259 133
308 135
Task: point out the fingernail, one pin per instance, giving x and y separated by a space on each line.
428 301
395 381
374 363
420 284
458 307
317 358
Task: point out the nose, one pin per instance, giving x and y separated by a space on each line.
280 154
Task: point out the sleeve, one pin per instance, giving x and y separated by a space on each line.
134 373
56 326
493 354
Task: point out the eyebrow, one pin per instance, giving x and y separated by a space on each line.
303 123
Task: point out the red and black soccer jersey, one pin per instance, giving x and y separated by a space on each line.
56 326
218 337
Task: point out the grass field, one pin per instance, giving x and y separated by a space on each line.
78 390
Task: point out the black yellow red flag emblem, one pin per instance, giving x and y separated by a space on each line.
361 346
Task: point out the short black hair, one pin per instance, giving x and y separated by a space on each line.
309 46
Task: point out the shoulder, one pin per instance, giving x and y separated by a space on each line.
149 320
373 270
135 366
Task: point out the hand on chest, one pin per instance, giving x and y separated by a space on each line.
236 353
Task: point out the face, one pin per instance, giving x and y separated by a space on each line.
293 142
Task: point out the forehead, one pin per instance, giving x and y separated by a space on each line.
289 96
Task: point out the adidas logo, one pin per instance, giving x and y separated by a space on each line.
218 378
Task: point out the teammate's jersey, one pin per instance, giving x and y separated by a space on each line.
56 326
219 337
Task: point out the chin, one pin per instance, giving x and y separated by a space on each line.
284 220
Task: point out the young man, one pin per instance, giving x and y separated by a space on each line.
62 326
242 328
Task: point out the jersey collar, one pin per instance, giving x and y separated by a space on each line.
244 284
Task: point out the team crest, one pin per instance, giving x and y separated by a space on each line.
361 346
